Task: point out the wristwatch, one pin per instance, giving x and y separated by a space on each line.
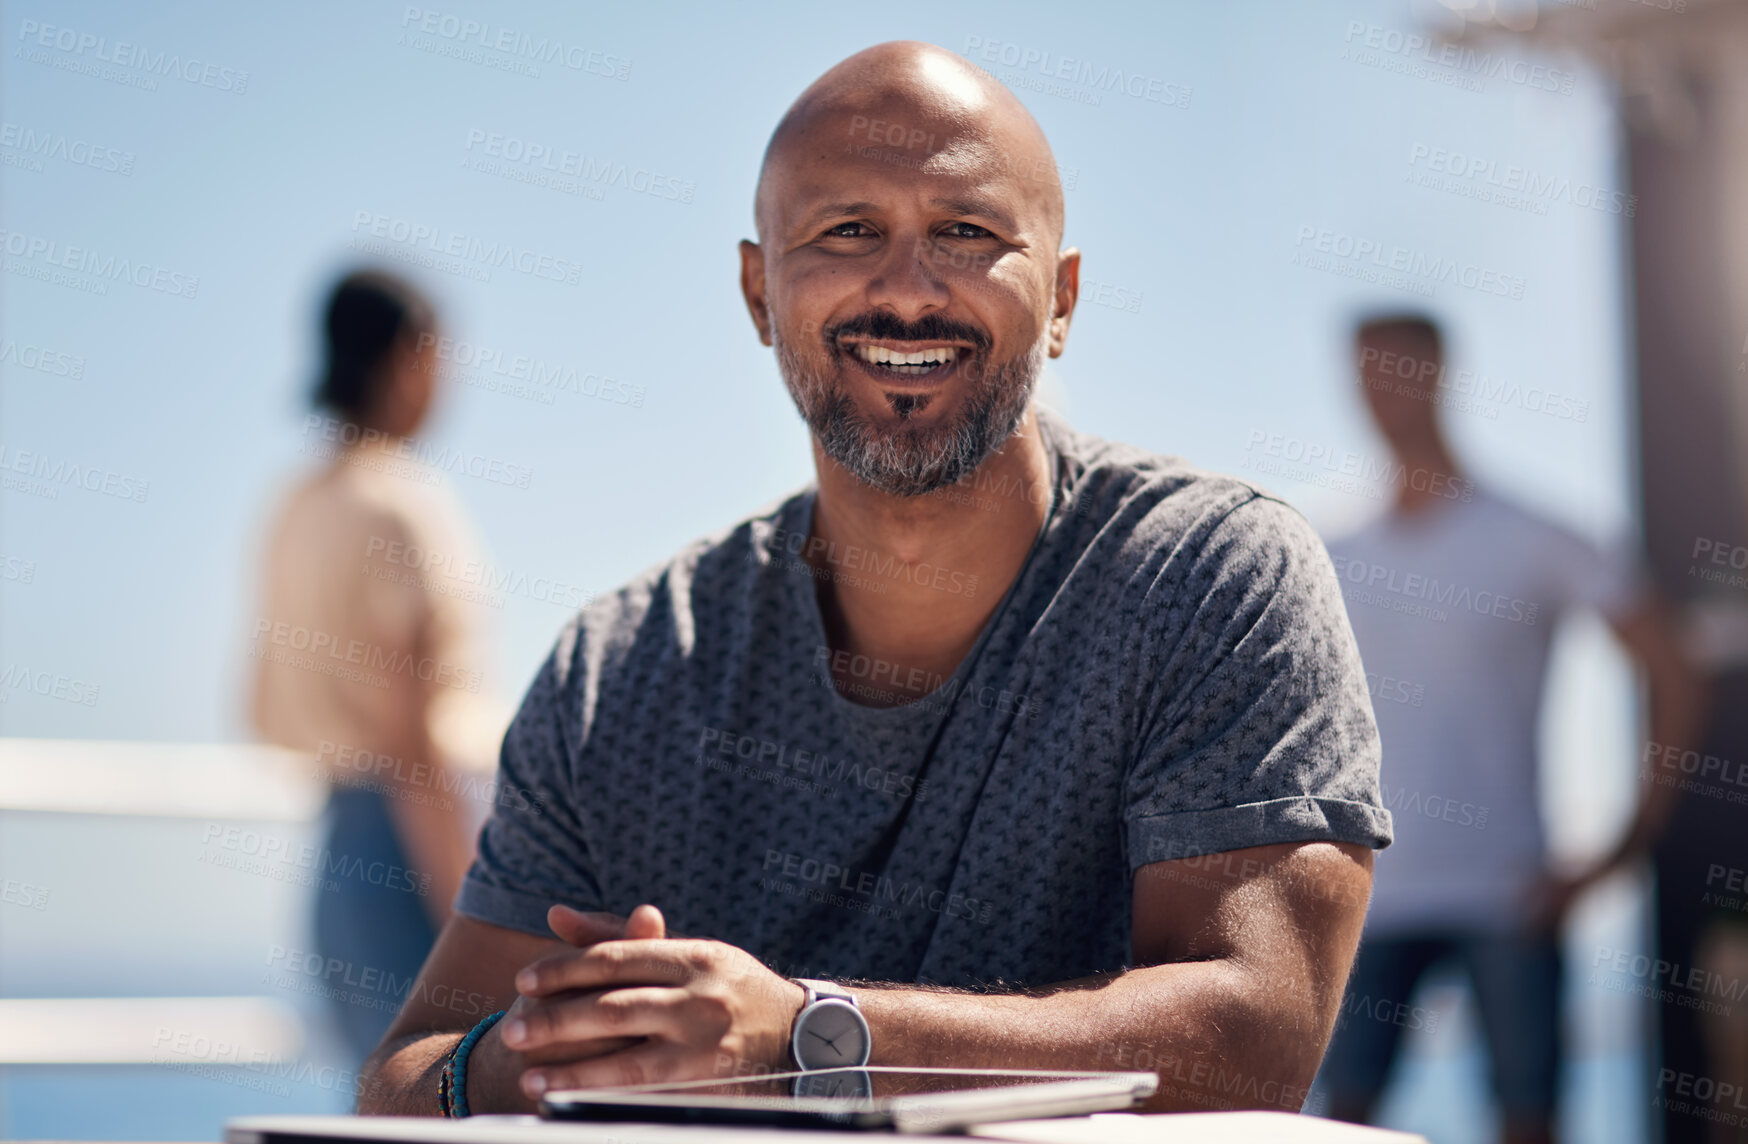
829 1032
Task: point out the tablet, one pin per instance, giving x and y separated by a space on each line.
865 1099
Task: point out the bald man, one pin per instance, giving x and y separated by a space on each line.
1000 746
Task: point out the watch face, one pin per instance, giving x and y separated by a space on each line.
831 1034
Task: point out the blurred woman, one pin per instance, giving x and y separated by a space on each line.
367 655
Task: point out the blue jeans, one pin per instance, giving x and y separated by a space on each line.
1515 979
372 932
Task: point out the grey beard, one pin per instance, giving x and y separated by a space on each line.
906 461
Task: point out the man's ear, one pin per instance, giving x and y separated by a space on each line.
1067 294
752 287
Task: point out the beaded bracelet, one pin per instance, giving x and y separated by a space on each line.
452 1079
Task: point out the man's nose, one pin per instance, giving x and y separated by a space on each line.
906 280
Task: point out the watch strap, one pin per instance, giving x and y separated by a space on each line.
817 989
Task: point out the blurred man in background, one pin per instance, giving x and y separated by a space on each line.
368 658
1454 595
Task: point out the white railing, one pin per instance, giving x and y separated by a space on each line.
205 781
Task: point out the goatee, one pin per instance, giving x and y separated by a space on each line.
908 460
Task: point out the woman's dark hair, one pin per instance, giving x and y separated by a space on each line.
367 316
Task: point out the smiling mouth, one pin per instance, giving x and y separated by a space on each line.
902 363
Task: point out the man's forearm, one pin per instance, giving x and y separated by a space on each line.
400 1078
1217 1036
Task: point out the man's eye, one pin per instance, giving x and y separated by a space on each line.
849 230
966 230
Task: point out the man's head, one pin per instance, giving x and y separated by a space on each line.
909 205
1401 365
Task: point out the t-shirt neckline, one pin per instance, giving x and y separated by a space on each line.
804 596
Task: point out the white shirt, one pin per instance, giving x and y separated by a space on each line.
1454 609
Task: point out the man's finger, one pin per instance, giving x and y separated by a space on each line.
646 922
649 962
650 1063
564 1052
641 1012
574 927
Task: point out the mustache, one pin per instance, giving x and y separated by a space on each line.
881 325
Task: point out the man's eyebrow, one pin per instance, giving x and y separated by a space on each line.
838 210
966 205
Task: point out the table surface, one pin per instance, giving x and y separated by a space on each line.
1100 1128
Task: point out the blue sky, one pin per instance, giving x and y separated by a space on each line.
1215 231
1221 210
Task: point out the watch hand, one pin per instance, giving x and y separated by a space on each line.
811 1033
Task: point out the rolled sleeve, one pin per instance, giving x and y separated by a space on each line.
1261 730
534 851
1303 818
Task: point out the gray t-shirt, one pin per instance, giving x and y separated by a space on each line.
1171 674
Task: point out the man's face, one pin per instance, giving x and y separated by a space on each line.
1399 377
909 276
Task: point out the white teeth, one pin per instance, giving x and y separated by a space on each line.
880 355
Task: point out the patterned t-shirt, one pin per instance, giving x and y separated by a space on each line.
1171 674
